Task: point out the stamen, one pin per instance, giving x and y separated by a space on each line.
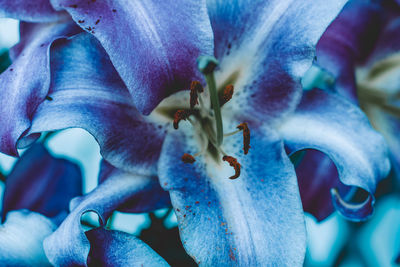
226 95
195 89
180 114
233 162
246 136
187 158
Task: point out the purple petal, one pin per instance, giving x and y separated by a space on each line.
265 47
31 11
25 84
316 175
21 238
86 92
388 42
68 245
153 44
254 220
39 182
115 248
332 125
350 38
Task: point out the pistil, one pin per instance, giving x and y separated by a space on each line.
206 65
202 118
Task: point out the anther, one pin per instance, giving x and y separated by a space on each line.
180 114
195 89
246 137
187 158
226 95
233 162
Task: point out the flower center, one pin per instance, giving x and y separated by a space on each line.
206 120
375 90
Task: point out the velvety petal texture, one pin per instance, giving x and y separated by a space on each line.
68 246
254 220
265 47
21 239
325 122
115 248
25 84
41 183
152 44
349 39
86 92
31 11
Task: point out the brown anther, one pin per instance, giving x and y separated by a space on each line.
195 89
246 136
187 158
226 95
233 162
179 115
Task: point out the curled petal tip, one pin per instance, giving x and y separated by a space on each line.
353 212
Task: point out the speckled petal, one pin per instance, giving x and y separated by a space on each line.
254 220
152 44
86 92
265 47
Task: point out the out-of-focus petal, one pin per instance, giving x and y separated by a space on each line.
150 198
31 11
317 175
21 239
254 220
330 124
115 248
152 44
41 183
350 38
25 84
265 47
68 245
86 92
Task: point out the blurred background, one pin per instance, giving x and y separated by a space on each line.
332 242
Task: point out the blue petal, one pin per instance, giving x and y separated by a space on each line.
25 84
330 124
32 11
115 248
21 238
150 198
317 175
349 39
68 245
254 220
41 183
94 98
265 47
153 44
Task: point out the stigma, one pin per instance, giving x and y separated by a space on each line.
207 121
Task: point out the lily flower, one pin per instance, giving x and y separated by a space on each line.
234 125
359 50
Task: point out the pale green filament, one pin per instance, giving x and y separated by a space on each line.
207 65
